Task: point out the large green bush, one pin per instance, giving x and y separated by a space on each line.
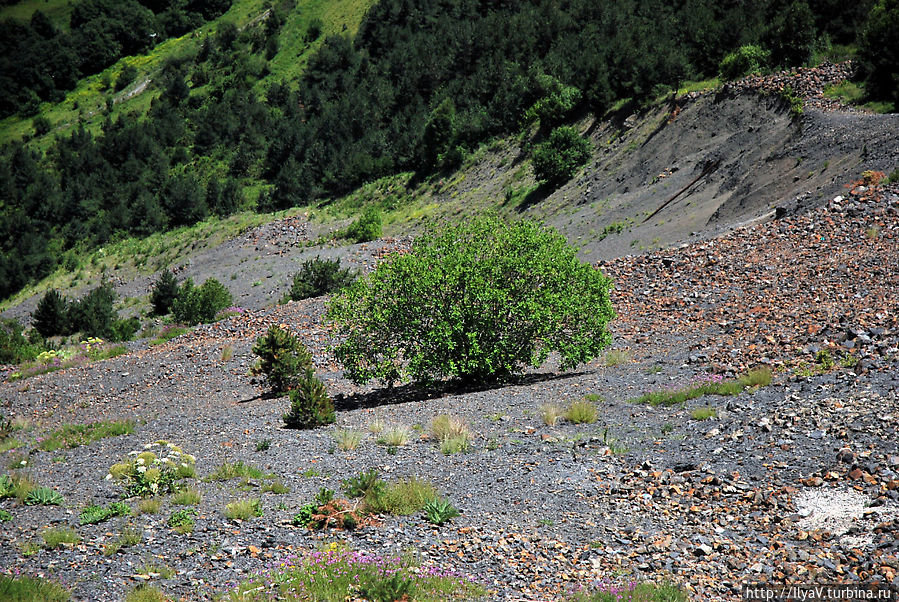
200 304
480 300
282 358
558 158
318 277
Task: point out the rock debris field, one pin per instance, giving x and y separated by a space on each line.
794 482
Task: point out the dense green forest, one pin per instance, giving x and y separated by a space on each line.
39 62
421 83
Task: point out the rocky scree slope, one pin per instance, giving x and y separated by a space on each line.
794 482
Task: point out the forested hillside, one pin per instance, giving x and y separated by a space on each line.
418 86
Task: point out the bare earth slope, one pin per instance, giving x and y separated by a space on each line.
794 482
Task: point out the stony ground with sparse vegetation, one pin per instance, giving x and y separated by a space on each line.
563 478
742 427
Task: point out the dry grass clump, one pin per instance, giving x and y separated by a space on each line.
550 413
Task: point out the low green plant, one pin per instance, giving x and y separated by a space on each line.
445 426
795 102
276 487
17 485
190 496
310 405
324 496
243 509
707 385
168 333
366 228
97 514
24 588
401 497
456 444
59 536
704 413
145 593
632 591
263 445
156 570
150 505
581 412
44 496
304 516
743 61
318 277
5 516
129 537
75 435
616 357
439 511
558 158
195 305
182 521
347 439
283 359
363 484
338 573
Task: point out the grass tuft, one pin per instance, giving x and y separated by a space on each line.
243 509
59 537
190 496
347 439
75 435
396 436
150 505
403 497
551 413
31 589
582 412
703 413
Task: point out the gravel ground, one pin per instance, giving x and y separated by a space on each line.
794 482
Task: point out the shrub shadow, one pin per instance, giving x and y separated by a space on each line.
417 392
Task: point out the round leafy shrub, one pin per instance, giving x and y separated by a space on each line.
200 304
310 405
557 158
743 61
282 358
318 277
480 300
